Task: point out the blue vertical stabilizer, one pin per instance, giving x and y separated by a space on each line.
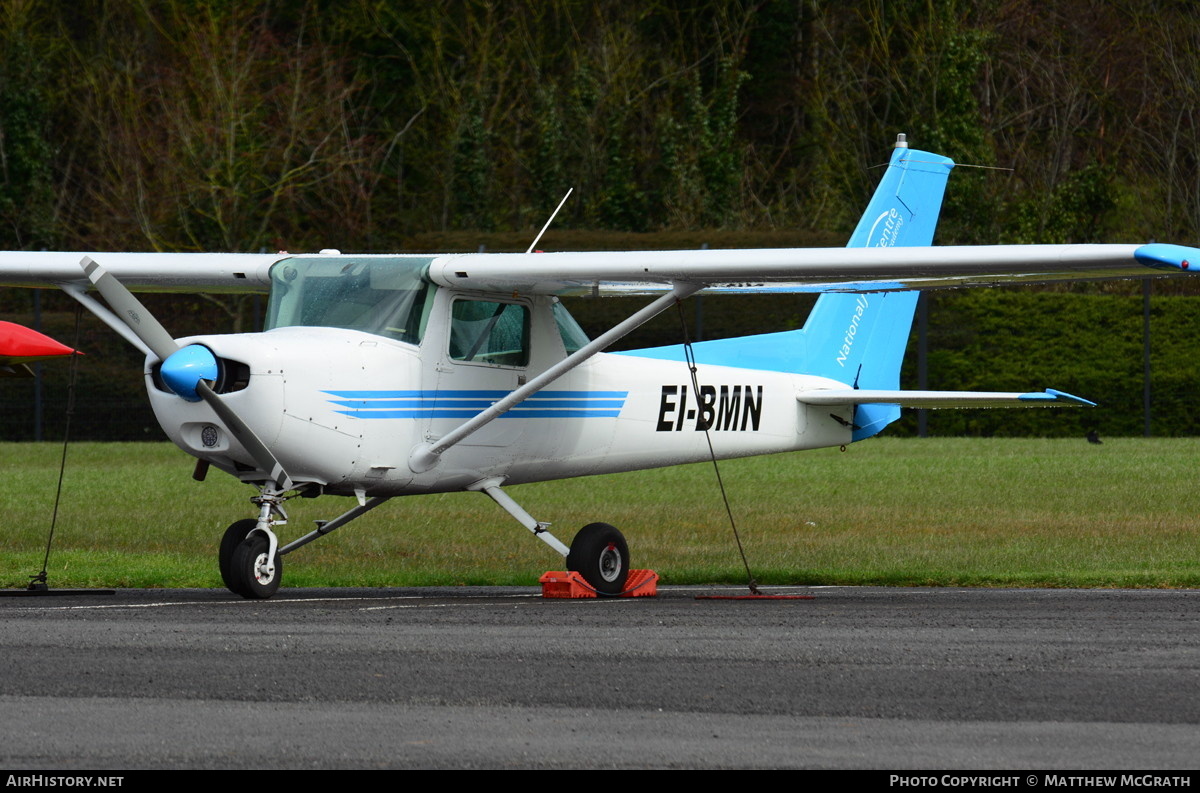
855 338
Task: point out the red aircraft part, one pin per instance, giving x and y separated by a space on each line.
19 344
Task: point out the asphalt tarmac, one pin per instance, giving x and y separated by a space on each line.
500 678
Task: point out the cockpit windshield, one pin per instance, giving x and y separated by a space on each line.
384 295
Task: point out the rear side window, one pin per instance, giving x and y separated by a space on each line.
573 336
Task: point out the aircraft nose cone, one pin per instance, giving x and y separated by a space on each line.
186 367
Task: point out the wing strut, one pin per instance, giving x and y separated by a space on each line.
425 456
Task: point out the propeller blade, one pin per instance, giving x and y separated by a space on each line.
130 309
263 457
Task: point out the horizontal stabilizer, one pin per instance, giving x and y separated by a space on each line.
940 399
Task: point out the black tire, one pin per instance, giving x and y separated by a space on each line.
232 538
599 554
247 557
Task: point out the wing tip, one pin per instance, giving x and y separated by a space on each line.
1164 256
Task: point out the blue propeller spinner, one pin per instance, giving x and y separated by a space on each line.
185 368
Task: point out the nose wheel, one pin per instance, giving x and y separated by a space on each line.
253 574
249 558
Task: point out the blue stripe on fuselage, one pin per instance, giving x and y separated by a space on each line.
464 404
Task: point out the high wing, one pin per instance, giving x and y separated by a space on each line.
806 269
648 272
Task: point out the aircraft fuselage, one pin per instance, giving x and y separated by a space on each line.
345 408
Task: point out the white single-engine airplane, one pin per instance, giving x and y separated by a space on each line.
388 375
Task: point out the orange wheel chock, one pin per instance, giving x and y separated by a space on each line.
556 584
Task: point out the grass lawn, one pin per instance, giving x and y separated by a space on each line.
960 511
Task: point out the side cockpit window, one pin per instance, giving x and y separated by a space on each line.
484 331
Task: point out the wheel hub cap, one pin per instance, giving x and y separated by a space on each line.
610 563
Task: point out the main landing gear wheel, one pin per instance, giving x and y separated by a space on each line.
600 555
248 568
233 537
